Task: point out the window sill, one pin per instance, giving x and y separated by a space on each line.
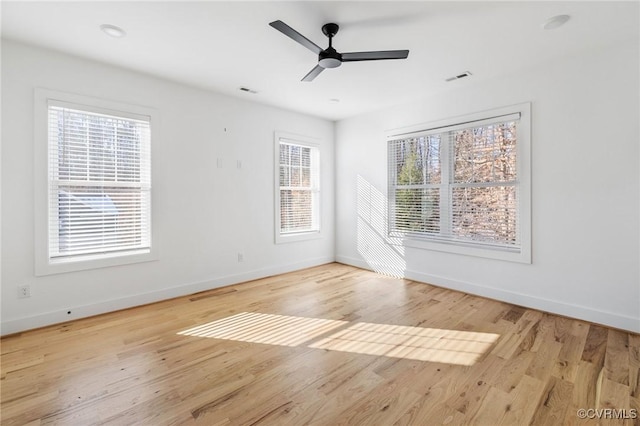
295 237
522 255
82 263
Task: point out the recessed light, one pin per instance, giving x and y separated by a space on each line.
113 31
555 22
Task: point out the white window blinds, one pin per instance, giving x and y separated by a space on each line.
99 182
457 184
298 188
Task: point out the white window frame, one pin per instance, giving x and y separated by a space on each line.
44 263
523 170
307 142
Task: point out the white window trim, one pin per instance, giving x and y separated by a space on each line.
43 263
523 164
304 141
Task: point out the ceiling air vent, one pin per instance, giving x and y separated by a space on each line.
459 76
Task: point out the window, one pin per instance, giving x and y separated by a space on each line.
298 189
463 186
98 186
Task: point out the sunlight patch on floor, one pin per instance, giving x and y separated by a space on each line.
265 328
423 344
395 341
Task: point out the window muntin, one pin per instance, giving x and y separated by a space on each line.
298 189
99 183
458 184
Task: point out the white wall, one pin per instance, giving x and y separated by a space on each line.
206 214
585 189
585 183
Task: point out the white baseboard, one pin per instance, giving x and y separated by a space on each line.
56 317
574 311
610 319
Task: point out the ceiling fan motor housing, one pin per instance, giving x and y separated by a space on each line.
329 58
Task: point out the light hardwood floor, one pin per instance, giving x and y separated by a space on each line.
328 345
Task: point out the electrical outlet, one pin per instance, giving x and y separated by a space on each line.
240 257
24 291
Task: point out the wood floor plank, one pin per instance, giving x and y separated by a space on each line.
616 362
513 408
391 351
566 365
596 345
553 406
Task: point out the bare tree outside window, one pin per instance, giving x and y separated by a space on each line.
458 185
484 205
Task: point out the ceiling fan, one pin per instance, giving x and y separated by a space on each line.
329 57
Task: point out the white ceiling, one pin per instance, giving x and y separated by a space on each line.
223 46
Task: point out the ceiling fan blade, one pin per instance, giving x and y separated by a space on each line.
296 36
374 56
313 73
